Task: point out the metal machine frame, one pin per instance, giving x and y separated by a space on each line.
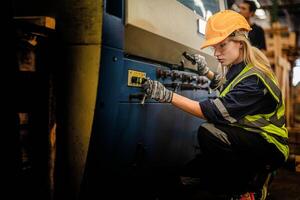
135 143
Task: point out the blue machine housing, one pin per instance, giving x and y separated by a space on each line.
132 143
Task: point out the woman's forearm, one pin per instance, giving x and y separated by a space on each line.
187 105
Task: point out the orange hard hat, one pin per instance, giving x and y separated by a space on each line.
220 25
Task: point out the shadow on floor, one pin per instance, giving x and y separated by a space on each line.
285 186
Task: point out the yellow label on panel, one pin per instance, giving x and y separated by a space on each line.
135 78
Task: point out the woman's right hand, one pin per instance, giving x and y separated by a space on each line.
201 63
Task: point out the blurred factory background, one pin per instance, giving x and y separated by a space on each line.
75 120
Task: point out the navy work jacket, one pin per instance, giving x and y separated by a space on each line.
248 97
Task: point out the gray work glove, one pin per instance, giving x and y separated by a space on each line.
201 64
157 91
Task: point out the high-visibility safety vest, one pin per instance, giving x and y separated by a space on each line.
272 125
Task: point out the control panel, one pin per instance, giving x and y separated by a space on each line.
136 78
182 80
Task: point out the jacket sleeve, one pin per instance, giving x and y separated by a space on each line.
248 97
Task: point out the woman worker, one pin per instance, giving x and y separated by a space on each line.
244 132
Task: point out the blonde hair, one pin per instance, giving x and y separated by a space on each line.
253 55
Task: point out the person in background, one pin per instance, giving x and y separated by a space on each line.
257 34
244 132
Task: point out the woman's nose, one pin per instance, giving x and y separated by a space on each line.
217 53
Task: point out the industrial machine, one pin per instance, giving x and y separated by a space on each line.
137 144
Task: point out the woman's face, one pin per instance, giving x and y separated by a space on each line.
228 52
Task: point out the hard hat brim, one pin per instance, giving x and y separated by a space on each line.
216 40
212 41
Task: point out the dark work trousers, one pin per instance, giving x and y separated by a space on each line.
223 167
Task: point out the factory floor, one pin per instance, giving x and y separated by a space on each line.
285 186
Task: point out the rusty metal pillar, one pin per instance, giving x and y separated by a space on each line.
79 25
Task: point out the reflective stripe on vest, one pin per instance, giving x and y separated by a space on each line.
271 126
216 132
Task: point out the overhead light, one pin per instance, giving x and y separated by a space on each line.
296 72
260 13
257 3
297 62
201 26
296 75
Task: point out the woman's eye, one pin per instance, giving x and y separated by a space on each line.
222 45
